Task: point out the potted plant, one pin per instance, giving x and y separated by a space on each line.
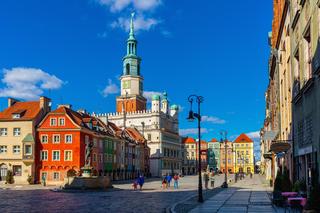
29 179
277 198
9 177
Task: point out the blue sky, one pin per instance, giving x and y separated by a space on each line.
72 52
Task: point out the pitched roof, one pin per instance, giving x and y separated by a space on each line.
243 138
213 140
135 134
30 110
189 140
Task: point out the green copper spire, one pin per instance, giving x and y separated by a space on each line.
131 34
131 42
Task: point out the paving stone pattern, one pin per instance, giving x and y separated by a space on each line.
248 195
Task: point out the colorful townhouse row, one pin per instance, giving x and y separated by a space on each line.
37 143
234 157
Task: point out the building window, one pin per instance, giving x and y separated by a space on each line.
56 176
16 131
16 170
95 142
56 139
53 122
44 155
101 158
68 155
3 131
28 149
94 157
149 137
56 155
3 149
44 138
68 139
61 122
247 152
127 69
16 149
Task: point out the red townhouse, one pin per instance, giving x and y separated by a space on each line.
61 140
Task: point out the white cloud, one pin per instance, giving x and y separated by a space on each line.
139 5
27 83
140 23
254 135
192 131
110 89
212 119
143 9
148 94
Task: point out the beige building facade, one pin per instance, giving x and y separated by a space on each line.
17 138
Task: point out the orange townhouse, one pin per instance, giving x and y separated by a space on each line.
61 141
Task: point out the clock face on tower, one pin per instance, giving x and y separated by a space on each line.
126 85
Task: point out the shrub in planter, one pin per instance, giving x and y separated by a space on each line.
277 198
71 173
29 179
296 186
9 178
286 182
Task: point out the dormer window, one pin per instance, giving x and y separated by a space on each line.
18 114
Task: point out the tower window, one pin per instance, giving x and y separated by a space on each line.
127 69
138 69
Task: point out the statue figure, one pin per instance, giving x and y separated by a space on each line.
88 149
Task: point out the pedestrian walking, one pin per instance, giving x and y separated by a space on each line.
164 182
206 179
44 180
169 178
141 181
176 181
135 184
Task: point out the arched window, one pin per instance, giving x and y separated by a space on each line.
127 69
138 69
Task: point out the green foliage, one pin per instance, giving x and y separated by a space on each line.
9 178
278 182
71 173
29 179
286 182
296 186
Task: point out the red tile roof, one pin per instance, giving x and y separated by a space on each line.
214 140
30 108
135 134
189 140
243 138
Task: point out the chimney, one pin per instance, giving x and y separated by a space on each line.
45 104
65 105
11 101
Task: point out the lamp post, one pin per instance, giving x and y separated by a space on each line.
191 117
224 140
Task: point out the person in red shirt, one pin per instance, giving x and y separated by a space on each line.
176 181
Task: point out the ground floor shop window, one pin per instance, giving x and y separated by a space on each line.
17 170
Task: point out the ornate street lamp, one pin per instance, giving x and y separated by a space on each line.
191 117
224 140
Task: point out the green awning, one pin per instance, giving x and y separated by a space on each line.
28 138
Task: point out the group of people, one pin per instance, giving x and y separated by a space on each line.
139 181
206 177
166 181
